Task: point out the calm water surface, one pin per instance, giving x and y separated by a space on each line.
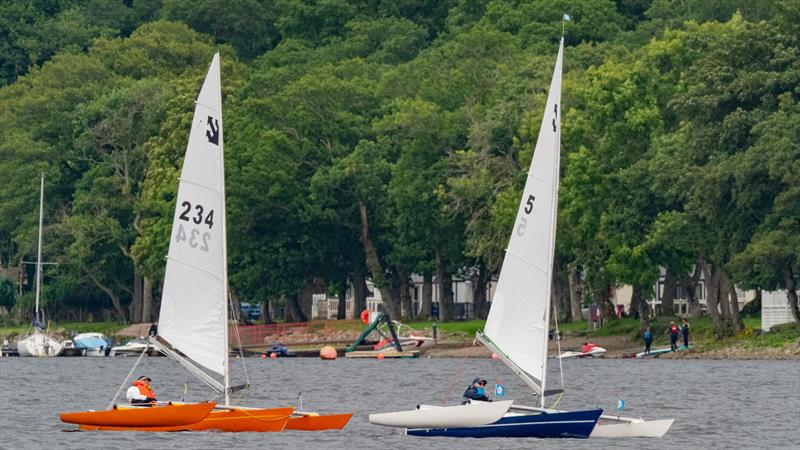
716 404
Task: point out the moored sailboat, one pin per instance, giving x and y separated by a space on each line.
38 342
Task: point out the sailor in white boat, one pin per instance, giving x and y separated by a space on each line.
476 391
141 392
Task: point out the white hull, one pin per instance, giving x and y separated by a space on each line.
469 415
38 344
131 348
635 428
421 343
597 352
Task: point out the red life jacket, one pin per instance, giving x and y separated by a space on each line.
144 389
673 329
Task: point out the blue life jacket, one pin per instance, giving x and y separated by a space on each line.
479 390
648 336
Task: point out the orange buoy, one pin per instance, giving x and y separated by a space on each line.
381 356
494 356
273 355
263 355
327 352
365 316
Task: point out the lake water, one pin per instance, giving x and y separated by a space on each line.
716 404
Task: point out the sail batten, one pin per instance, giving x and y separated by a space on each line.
193 316
518 318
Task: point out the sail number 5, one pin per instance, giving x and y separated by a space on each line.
523 221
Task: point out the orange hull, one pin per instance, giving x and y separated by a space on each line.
261 420
318 423
167 415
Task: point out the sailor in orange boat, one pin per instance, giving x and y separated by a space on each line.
141 392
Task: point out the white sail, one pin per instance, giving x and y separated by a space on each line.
193 315
518 319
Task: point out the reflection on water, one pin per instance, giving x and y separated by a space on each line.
722 404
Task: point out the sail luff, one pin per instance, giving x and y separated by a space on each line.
553 214
224 226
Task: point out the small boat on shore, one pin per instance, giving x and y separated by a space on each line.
91 344
661 351
134 347
594 352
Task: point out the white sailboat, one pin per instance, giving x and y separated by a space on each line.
37 342
518 323
517 326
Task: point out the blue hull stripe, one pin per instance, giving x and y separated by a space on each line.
577 424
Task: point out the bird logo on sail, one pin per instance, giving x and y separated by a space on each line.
212 133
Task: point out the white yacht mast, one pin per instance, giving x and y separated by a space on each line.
39 251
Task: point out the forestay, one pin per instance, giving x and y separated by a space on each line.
518 319
193 315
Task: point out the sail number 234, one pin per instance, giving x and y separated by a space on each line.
197 216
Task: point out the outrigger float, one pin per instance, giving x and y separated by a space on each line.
194 307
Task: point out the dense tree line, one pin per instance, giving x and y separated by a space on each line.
376 139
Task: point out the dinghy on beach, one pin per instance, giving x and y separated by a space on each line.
596 352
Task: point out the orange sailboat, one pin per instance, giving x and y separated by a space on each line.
194 306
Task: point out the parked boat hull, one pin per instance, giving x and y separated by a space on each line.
662 351
318 422
573 424
166 415
233 420
596 352
38 344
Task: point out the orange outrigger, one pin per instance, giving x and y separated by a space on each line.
227 419
316 422
170 414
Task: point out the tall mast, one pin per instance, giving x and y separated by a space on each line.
553 220
39 251
227 374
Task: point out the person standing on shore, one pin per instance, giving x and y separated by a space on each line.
648 340
685 331
673 336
